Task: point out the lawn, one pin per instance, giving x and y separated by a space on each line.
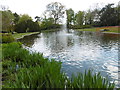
20 35
112 29
88 29
50 30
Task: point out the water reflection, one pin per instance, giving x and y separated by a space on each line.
29 40
79 50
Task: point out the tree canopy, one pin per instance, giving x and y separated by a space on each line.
7 20
56 10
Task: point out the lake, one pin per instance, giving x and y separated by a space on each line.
79 51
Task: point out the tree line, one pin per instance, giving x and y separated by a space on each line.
109 15
19 23
24 23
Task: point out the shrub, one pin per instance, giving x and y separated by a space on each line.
7 38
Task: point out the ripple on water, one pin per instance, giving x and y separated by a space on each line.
80 51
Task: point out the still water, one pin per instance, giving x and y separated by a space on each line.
79 50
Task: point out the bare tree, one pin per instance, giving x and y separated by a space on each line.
56 10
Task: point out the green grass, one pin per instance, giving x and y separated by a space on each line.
112 29
22 69
20 35
88 29
50 30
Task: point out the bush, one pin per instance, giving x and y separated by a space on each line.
7 38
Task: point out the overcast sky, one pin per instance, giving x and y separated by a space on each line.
37 7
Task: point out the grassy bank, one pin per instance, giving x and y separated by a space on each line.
112 29
8 37
20 35
50 30
22 69
87 29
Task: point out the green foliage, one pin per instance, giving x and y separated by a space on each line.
7 38
79 18
21 27
27 26
24 17
22 69
17 17
49 24
7 20
70 17
88 80
89 17
109 16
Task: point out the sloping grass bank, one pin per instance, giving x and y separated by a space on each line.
24 69
112 29
21 35
8 37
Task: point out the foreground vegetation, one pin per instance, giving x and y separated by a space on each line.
24 69
8 37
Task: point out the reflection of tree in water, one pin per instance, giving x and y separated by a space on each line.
109 40
56 42
29 40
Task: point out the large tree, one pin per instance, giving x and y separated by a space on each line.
109 15
24 17
80 18
16 18
70 17
26 24
7 20
56 10
89 17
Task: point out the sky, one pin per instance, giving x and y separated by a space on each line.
37 7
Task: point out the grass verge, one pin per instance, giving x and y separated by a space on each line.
20 35
50 30
112 29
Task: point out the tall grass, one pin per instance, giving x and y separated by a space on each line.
22 69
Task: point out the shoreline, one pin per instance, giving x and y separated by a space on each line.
26 35
110 33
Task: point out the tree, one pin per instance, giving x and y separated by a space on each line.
47 23
26 24
37 18
80 18
21 27
32 26
7 20
56 11
16 18
70 17
89 17
24 17
109 15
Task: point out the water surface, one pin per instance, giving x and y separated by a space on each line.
79 50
